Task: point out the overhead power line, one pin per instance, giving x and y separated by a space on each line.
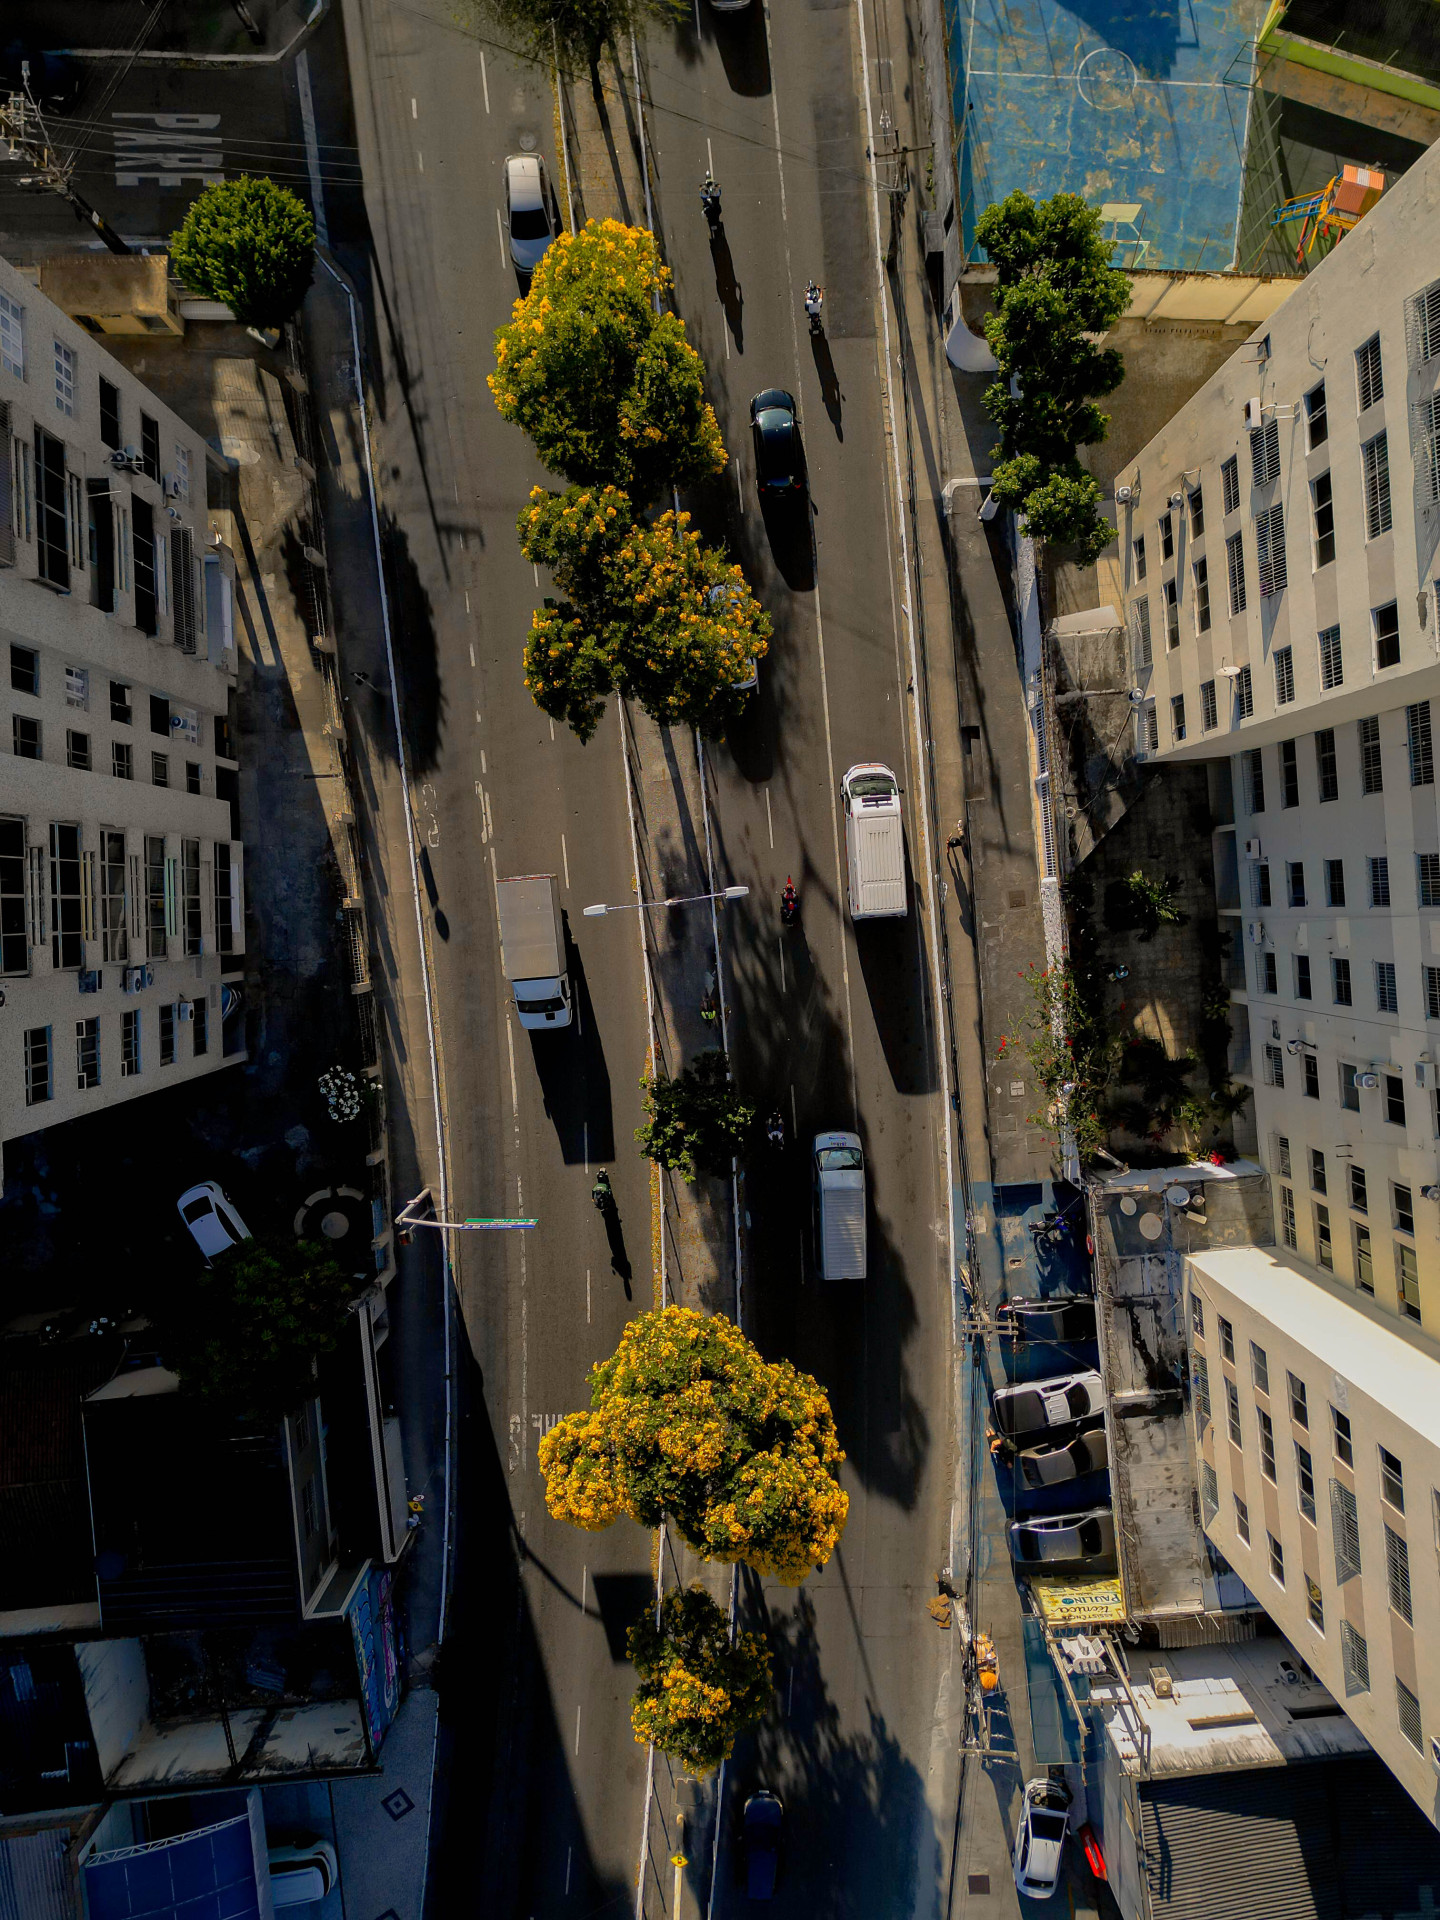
28 144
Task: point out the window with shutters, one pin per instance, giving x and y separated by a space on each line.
1270 550
1425 446
1375 466
1379 869
1209 1492
1332 664
1422 750
1372 776
1422 324
1140 630
1369 379
1255 777
12 336
1430 980
1151 722
183 596
1289 773
1274 1066
1427 878
1387 635
1335 883
1235 566
1327 767
1201 572
1345 1526
1317 426
1322 520
1201 1379
1244 694
1354 1658
1287 1208
1407 1711
1386 999
1265 453
1284 676
1209 711
1230 483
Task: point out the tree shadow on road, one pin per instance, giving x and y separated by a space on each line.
417 666
858 1839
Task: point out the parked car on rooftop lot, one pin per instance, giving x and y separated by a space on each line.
1040 1838
1048 1466
1068 1538
1048 1403
1063 1316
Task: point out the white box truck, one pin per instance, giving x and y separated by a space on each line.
874 842
839 1170
532 949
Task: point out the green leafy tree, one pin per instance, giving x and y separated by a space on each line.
609 390
697 1122
699 1690
649 610
250 244
578 30
246 1334
1055 289
688 1421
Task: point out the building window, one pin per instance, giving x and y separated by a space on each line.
1364 1261
1317 1185
25 737
1305 1481
1299 1401
1209 712
1302 976
1244 694
129 1043
1265 453
1255 776
307 1508
122 760
1167 536
1369 381
1427 879
1324 1246
77 750
110 414
12 337
1202 1395
1402 1208
87 1054
1284 675
1345 1525
1151 722
1392 1480
1230 483
24 669
1235 570
1407 1709
77 687
1269 976
1227 1339
1349 1075
1277 1560
1197 1316
1407 1281
1372 779
1289 773
159 770
1262 883
1431 978
1267 1443
1295 880
1378 868
1375 465
224 899
39 1085
1317 426
1311 1087
64 379
14 911
1232 1413
1201 571
67 937
52 510
200 1027
1270 550
1327 767
1355 1658
1287 1218
1332 664
1177 715
1425 440
149 446
1140 620
1394 1099
1197 513
1344 1450
1387 635
1138 548
193 779
1282 1149
156 905
1314 1605
1168 592
1397 1570
1359 1191
1422 750
114 917
1387 999
1335 883
167 1035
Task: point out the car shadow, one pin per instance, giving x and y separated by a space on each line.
893 961
740 42
790 529
574 1078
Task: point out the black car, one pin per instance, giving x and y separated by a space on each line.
761 1832
779 457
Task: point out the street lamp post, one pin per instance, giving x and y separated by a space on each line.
688 900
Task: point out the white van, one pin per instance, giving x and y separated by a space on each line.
874 842
839 1166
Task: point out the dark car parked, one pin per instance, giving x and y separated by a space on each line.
779 456
1063 1316
761 1832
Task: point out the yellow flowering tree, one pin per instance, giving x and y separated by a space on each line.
699 1690
689 1421
649 609
610 391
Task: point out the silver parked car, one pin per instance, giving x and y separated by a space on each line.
1048 1466
210 1215
1049 1403
529 214
1068 1538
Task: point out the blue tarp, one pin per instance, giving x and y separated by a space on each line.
209 1875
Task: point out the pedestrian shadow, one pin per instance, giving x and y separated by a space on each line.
619 1259
432 894
829 381
574 1078
727 287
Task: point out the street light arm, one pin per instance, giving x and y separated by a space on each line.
685 900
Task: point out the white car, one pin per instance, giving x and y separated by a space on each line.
214 1224
1049 1403
302 1872
1040 1842
1048 1466
528 214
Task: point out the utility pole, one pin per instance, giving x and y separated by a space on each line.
23 132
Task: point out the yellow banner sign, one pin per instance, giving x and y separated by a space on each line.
1080 1599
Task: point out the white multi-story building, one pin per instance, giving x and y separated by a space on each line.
1281 549
120 874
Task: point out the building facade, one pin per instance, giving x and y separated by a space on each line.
121 872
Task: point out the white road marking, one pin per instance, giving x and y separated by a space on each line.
565 859
780 943
483 767
577 1732
790 1693
794 1123
489 818
414 109
514 1083
472 643
536 571
484 80
552 727
421 158
709 157
587 1289
739 483
477 722
770 824
585 1142
584 1577
569 1857
472 647
500 231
